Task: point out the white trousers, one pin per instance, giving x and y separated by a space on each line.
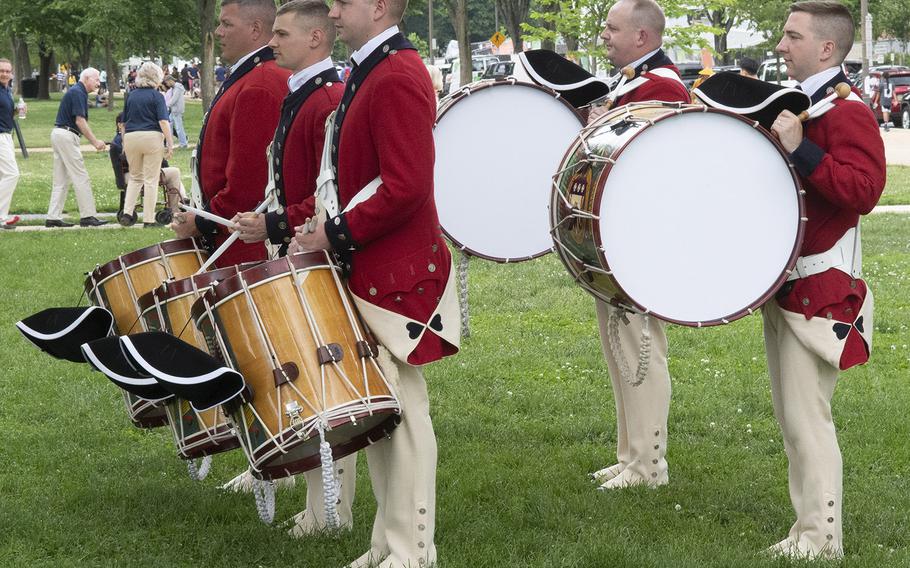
642 410
69 168
9 174
403 475
802 385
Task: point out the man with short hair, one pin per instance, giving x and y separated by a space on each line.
748 67
9 170
69 166
633 37
384 229
302 43
231 165
821 321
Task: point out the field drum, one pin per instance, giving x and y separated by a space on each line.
117 286
290 328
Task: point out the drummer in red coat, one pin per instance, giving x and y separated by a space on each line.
633 36
821 321
302 42
384 228
231 166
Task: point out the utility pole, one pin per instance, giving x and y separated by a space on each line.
866 23
430 33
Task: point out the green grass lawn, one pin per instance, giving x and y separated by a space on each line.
522 414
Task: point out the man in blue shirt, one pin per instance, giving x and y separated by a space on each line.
9 170
69 166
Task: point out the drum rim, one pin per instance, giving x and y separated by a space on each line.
174 289
136 257
363 439
254 275
675 109
447 106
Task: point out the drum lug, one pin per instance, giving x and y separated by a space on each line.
331 353
286 373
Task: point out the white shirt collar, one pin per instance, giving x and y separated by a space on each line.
240 61
370 46
297 80
817 81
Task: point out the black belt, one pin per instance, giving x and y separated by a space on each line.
73 130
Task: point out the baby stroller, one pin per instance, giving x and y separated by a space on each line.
170 202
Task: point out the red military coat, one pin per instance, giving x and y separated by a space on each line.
299 155
400 261
841 163
657 88
233 167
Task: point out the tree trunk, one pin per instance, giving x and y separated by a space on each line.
113 74
85 50
549 7
46 55
207 70
22 64
458 13
515 12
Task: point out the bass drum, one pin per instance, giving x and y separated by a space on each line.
497 145
691 214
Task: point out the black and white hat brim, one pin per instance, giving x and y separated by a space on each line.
184 370
549 69
60 332
107 356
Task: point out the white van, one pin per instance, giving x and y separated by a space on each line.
479 64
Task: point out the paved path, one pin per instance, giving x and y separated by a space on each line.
897 146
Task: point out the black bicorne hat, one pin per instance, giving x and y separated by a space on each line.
182 369
549 69
753 98
107 356
61 331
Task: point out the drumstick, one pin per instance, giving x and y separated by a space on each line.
233 237
610 98
627 73
841 91
206 215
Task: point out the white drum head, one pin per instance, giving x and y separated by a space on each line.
496 151
699 217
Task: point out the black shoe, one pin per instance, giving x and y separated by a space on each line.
126 219
57 223
91 222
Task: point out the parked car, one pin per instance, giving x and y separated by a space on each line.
775 71
479 64
689 72
499 70
900 83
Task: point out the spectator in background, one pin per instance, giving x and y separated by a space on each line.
220 75
147 138
69 166
886 91
748 67
103 88
185 76
9 170
194 79
131 79
436 78
176 106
